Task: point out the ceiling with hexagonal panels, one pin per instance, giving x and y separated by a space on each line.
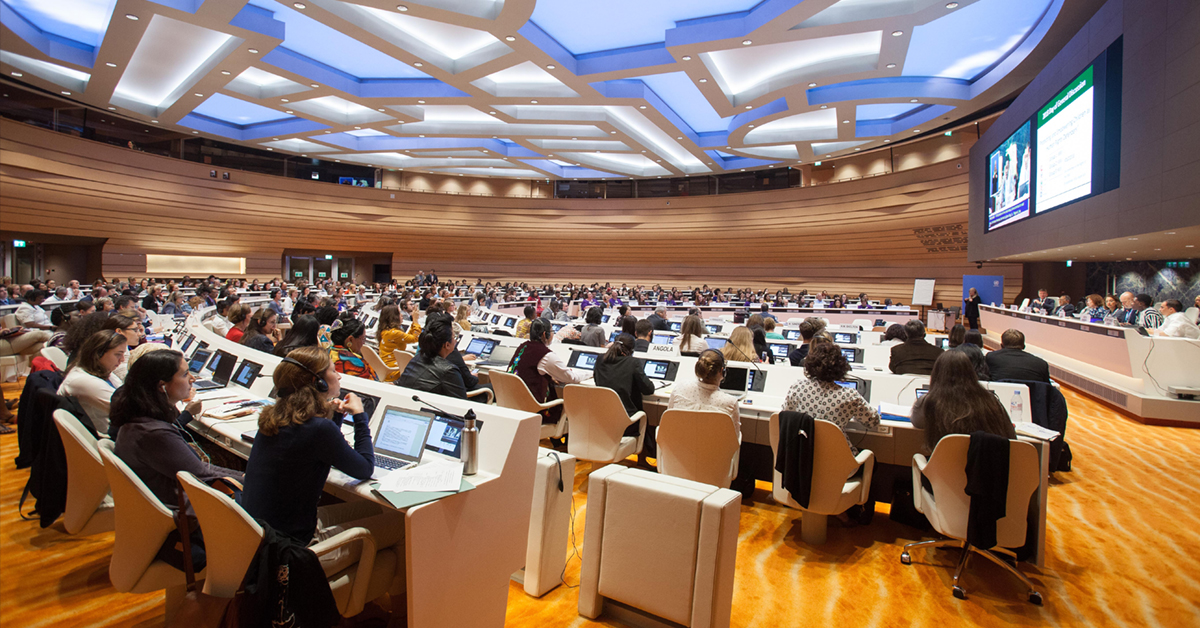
534 88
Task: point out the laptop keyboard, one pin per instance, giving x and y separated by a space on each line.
390 464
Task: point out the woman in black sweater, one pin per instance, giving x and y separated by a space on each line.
297 443
622 372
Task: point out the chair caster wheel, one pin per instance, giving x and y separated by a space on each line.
1035 598
906 559
960 593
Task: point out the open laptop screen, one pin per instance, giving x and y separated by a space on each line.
402 434
735 379
716 343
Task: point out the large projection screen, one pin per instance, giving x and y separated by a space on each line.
1008 180
1063 144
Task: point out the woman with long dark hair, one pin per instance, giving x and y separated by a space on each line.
90 377
348 337
260 333
540 368
302 334
429 370
957 403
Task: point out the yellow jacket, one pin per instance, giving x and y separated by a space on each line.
393 339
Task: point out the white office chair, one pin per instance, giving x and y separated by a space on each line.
8 320
89 507
680 568
833 488
402 358
698 446
864 324
232 538
55 355
511 392
946 471
142 523
383 372
598 423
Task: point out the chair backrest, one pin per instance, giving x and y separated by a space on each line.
698 446
833 464
598 420
402 358
377 364
9 320
55 355
947 474
87 485
141 522
864 324
512 392
231 536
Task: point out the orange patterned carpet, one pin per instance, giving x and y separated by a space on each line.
1123 549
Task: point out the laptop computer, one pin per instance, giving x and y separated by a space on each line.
221 365
481 348
400 439
716 343
500 356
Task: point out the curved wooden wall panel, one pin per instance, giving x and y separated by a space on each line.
875 235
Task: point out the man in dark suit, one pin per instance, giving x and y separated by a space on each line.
1044 303
1012 362
658 320
914 356
643 331
796 357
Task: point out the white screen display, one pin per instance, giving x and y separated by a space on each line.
1064 145
402 434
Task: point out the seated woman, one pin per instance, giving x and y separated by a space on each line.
524 323
769 325
62 317
429 370
691 335
239 319
391 334
822 398
348 337
628 325
326 316
175 305
620 371
462 318
957 403
1094 310
153 300
593 334
149 434
297 444
971 343
740 347
704 393
90 376
260 334
540 368
303 333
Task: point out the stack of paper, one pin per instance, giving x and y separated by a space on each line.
432 476
895 410
1033 430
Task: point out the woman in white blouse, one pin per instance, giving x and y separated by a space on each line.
691 335
704 393
90 376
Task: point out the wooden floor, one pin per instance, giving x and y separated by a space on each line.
1123 549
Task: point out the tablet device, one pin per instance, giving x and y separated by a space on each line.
735 379
845 337
445 435
583 360
246 373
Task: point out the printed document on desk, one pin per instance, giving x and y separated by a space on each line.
433 476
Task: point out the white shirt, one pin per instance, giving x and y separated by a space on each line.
28 313
553 365
694 343
696 395
94 395
1178 326
221 325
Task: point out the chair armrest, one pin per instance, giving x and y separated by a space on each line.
639 416
481 391
918 471
366 561
551 404
866 460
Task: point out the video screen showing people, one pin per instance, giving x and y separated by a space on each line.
1009 168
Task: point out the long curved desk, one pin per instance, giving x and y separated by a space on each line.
461 550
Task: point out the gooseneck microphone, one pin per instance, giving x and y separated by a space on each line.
432 408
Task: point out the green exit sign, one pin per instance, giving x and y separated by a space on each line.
1179 264
345 275
19 244
299 273
321 274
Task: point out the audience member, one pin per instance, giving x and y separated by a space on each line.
691 335
796 357
623 373
1175 322
348 338
913 356
302 334
593 334
524 323
704 393
90 376
820 396
740 347
429 370
541 369
261 334
659 319
957 403
1011 362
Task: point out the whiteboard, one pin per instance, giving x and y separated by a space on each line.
923 292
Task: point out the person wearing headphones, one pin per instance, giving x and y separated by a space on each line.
704 393
296 445
540 368
623 373
149 437
429 370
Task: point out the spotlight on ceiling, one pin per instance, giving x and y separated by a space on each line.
130 16
746 42
510 38
897 33
401 8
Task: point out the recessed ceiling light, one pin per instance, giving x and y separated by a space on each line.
951 5
420 102
66 93
913 100
890 65
130 16
687 57
1189 246
225 72
154 121
381 108
313 85
288 111
1132 238
752 126
887 141
418 65
749 106
824 106
17 74
552 67
401 8
420 136
533 102
270 149
897 33
111 109
329 131
916 130
812 84
746 42
300 5
829 155
195 132
111 65
703 80
492 112
641 106
857 149
510 38
252 51
357 127
284 100
612 132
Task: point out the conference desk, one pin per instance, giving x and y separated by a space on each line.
893 442
460 551
1116 364
785 314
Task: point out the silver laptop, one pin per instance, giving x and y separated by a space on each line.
500 356
400 439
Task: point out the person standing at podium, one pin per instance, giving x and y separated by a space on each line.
971 308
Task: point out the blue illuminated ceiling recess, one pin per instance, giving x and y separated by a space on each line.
535 88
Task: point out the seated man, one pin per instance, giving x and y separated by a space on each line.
914 356
658 320
1146 315
1043 304
1012 362
644 331
1175 322
796 357
1065 308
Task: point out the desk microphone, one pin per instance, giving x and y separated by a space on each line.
433 408
469 450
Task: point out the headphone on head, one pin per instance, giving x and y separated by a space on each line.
318 381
